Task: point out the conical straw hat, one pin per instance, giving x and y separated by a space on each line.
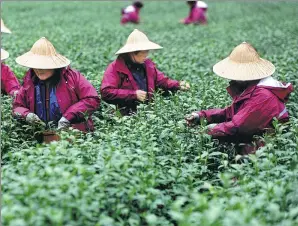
43 56
137 41
4 29
4 54
244 64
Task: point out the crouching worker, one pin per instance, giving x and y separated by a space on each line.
132 78
130 14
197 13
53 92
9 83
257 99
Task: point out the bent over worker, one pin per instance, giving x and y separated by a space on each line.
257 98
197 13
131 14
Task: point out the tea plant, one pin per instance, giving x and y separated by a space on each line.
151 169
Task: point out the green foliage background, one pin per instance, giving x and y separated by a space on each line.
151 169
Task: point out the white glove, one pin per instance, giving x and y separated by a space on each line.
196 116
192 119
211 126
15 93
33 118
63 123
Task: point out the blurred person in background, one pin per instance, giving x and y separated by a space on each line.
132 78
53 92
258 98
9 83
197 13
130 14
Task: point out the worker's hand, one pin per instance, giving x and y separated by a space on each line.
15 93
33 119
181 21
184 85
211 126
63 123
192 119
141 95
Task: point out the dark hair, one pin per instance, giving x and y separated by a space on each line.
191 3
138 4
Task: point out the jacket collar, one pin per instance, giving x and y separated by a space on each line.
121 66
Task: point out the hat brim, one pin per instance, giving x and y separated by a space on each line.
5 30
128 48
244 71
4 54
32 60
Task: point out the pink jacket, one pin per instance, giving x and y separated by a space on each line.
9 82
196 16
130 14
119 87
75 95
252 111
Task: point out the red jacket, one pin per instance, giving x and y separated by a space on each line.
9 82
130 14
196 15
75 96
252 111
119 87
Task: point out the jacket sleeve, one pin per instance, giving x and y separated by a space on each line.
189 19
257 113
130 17
9 82
134 17
214 115
124 19
89 100
20 108
166 83
109 89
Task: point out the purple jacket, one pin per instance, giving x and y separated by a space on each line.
119 87
252 111
9 82
75 96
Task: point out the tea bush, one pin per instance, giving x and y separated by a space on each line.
150 169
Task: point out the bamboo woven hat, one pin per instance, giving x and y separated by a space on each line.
43 55
4 54
4 29
137 41
244 64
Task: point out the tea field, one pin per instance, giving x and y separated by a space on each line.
151 169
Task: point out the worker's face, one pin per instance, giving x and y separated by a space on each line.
44 74
239 84
140 57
